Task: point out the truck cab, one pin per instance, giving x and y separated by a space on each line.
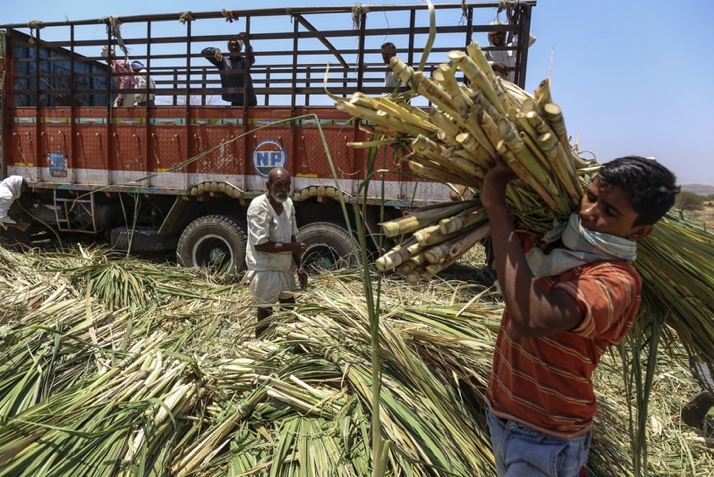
179 173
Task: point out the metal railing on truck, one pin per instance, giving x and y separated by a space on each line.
59 63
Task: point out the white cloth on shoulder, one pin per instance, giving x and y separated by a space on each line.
583 246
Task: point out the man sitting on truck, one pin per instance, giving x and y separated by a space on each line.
273 247
232 67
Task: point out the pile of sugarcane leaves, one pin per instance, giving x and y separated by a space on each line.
118 366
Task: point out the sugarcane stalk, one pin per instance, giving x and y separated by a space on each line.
489 127
525 175
415 275
444 75
525 157
444 254
381 119
515 95
475 53
411 264
375 130
426 147
459 247
423 84
561 166
474 127
360 99
472 165
532 146
542 94
522 124
538 123
429 272
468 167
406 112
479 99
443 209
477 78
427 235
454 164
445 125
459 151
542 127
432 235
469 143
395 256
462 220
434 173
555 118
436 252
418 219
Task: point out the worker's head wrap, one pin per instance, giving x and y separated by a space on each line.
492 33
235 40
107 52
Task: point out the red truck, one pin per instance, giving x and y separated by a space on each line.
178 174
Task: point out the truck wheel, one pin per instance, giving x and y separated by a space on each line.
142 239
329 247
213 241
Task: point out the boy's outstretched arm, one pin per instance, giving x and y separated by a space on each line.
534 312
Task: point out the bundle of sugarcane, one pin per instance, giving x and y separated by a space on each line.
441 234
468 127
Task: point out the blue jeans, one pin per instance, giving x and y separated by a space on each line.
520 451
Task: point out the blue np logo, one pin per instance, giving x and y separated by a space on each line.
268 154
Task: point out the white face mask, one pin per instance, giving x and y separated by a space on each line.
280 196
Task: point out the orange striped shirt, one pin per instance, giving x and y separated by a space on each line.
545 383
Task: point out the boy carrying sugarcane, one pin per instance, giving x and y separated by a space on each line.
566 302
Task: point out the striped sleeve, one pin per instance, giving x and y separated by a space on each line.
606 292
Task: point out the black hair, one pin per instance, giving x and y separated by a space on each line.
650 187
388 46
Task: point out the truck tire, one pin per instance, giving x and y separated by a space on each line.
213 241
142 239
329 247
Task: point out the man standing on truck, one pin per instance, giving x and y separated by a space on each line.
389 51
142 78
503 61
234 76
273 247
124 78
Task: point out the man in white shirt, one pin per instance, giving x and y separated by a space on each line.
273 247
503 61
142 78
10 190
